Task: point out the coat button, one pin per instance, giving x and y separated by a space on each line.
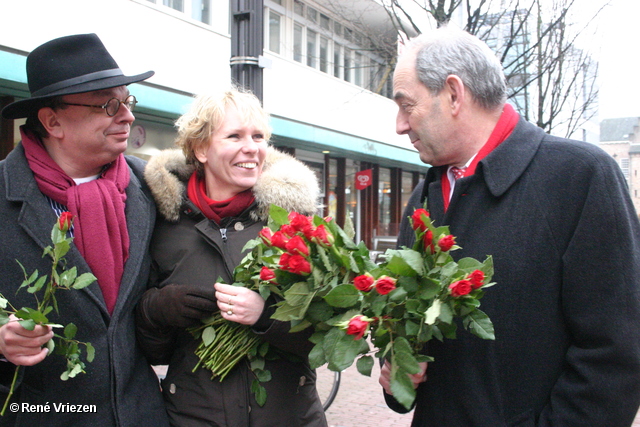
172 389
238 226
302 381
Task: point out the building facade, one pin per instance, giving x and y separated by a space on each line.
323 79
621 139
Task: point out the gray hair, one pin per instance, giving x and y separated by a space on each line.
450 50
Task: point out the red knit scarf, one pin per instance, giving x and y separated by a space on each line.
213 209
507 122
100 226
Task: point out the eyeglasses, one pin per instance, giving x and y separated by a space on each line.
112 106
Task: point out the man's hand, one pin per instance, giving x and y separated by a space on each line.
21 346
385 376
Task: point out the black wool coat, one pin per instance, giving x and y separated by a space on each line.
119 383
557 218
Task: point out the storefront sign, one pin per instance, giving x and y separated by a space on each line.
363 179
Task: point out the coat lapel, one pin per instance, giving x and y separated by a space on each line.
37 218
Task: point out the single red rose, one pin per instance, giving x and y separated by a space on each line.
284 260
299 265
301 223
476 278
364 282
64 221
460 288
288 230
322 236
297 245
427 242
266 235
446 242
279 240
420 219
267 274
357 326
385 284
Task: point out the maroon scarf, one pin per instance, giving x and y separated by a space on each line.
506 123
217 210
100 226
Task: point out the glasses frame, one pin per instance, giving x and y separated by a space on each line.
128 101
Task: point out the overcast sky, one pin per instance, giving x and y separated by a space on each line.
620 60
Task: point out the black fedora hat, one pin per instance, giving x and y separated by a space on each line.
67 65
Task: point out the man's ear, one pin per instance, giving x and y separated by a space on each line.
455 93
50 122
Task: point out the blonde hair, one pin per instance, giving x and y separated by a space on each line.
207 114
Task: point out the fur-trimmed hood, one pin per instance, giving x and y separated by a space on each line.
285 182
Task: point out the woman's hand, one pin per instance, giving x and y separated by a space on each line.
238 304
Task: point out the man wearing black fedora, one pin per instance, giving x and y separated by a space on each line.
71 159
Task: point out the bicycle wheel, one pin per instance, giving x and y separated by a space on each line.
328 385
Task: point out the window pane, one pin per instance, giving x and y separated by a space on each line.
312 14
297 43
337 29
174 4
337 59
347 65
312 42
324 54
325 22
298 7
407 188
357 69
203 9
384 200
274 32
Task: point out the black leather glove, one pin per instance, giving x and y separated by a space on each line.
178 305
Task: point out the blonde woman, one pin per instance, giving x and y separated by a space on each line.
213 196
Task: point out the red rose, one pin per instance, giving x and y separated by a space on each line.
385 284
301 223
364 282
476 278
267 274
298 265
266 235
64 221
420 219
427 242
460 288
357 326
446 242
288 230
297 245
279 240
322 236
284 260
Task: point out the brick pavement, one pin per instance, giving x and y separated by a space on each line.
359 402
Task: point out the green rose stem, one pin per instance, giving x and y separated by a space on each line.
232 342
29 318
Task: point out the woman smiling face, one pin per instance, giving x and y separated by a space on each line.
235 155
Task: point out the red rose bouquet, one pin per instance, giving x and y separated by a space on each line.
327 282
